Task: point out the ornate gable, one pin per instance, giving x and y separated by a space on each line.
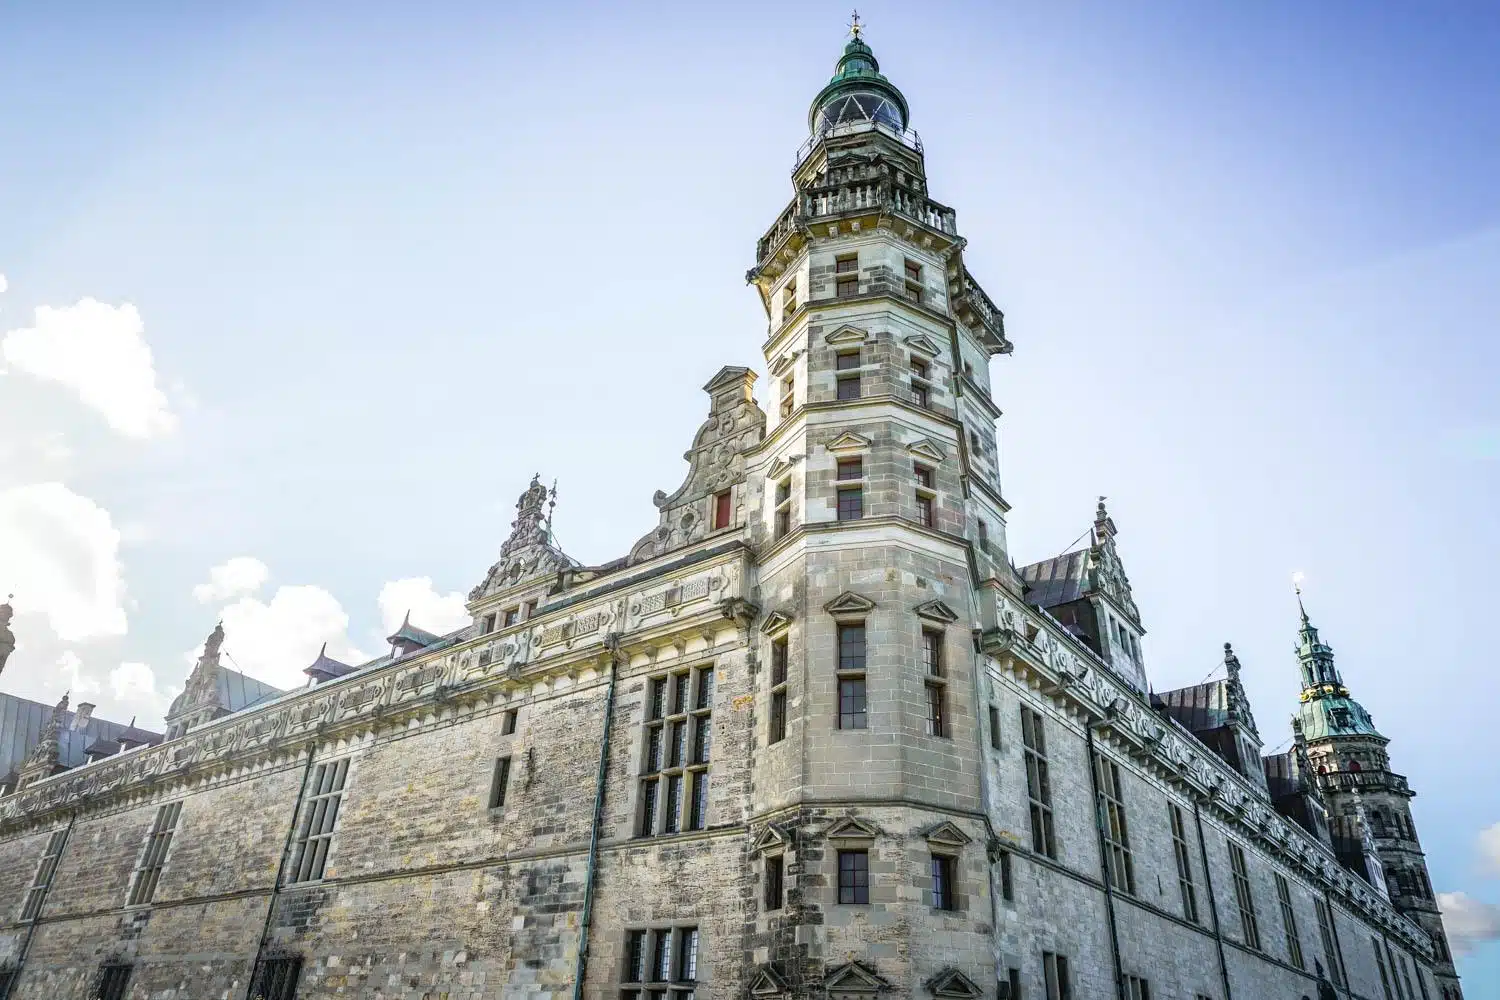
1106 573
954 985
528 554
848 441
771 840
923 344
925 448
776 622
849 605
937 611
852 828
853 980
767 983
716 461
847 335
946 834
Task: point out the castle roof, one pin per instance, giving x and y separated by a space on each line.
22 722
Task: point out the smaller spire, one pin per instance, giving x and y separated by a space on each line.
856 27
1104 525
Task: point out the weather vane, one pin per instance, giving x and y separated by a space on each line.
855 27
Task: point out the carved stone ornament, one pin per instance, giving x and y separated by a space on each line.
853 981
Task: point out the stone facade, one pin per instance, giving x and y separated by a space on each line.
783 737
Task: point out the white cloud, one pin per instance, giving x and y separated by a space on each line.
440 613
1489 849
79 686
99 351
59 553
273 641
238 577
1469 922
3 284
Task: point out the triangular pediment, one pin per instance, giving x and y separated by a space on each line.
937 611
776 621
849 604
946 834
847 334
852 828
924 448
954 985
848 441
778 468
923 344
772 838
853 979
783 364
767 983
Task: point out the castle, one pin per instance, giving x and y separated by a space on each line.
816 735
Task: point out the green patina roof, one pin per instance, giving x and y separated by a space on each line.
1324 714
858 72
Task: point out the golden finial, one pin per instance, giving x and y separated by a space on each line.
855 27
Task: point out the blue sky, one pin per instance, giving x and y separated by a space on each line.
388 264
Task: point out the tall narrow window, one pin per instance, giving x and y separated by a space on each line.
723 511
851 503
944 890
851 675
660 964
846 363
788 395
489 624
114 979
984 537
1184 865
154 854
994 727
1137 988
1007 879
678 748
508 728
511 616
1055 976
1289 922
1117 857
44 872
789 300
913 271
921 392
277 979
775 871
778 690
937 718
1406 977
1010 985
1325 934
499 781
854 876
1390 960
925 496
1385 977
1249 927
1038 783
783 507
319 816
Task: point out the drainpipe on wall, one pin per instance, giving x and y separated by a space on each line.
41 907
1213 905
286 849
1109 894
612 643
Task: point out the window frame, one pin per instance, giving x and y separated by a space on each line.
773 882
857 884
155 848
943 871
500 782
1056 981
780 661
852 673
276 978
782 508
1180 849
1038 782
667 958
1289 922
114 981
1244 897
1119 860
313 844
46 870
723 510
676 752
850 503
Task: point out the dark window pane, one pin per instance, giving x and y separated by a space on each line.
851 504
849 387
854 877
778 717
852 704
852 647
778 661
846 360
773 882
851 468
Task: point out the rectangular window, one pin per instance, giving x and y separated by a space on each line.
509 726
847 288
512 615
778 690
1038 784
851 503
687 955
1385 977
919 368
1055 976
1117 857
994 727
635 956
984 536
924 510
848 387
1289 922
932 652
851 668
913 292
913 271
845 361
530 610
723 511
921 395
277 979
783 507
489 623
937 716
788 394
854 877
319 816
852 646
788 300
1325 934
852 707
44 872
944 886
678 744
846 264
113 981
1249 927
1010 986
665 959
1184 866
851 468
1137 988
499 781
1007 880
774 874
154 854
1390 960
1406 977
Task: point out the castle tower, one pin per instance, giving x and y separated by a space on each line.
1367 800
880 519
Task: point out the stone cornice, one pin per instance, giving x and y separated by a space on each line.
1030 644
554 651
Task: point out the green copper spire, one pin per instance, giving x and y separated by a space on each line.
1326 708
858 93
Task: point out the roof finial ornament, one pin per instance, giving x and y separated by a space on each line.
1297 579
856 27
1231 662
7 637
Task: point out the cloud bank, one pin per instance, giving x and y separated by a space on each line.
60 555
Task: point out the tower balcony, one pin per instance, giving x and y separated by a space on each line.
877 198
1348 781
852 129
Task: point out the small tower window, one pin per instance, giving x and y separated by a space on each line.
920 391
846 263
851 468
925 496
723 510
788 395
913 270
783 507
789 299
847 364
